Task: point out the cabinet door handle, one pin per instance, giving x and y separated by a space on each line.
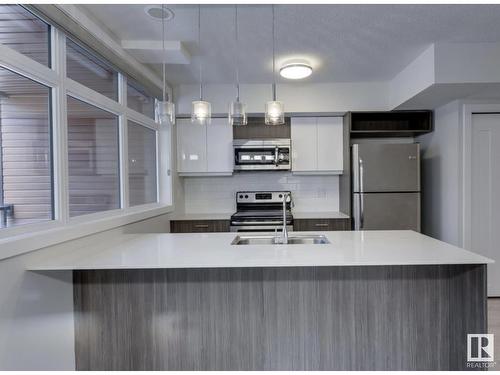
201 225
322 224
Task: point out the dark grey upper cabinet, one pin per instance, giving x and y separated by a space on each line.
390 124
256 129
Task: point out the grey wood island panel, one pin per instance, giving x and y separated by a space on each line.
279 318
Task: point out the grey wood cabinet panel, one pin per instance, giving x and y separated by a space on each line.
197 226
321 224
256 129
297 318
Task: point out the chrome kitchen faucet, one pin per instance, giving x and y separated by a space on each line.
283 239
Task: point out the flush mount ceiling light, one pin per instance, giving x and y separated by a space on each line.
296 70
159 13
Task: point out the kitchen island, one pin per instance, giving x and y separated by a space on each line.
378 300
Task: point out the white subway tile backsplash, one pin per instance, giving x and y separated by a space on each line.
217 194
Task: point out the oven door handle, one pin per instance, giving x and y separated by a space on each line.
242 223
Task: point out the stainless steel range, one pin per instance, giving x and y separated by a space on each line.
261 211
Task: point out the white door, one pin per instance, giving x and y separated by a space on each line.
191 147
485 219
220 146
304 144
330 144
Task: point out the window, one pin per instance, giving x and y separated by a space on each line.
57 172
139 100
141 164
25 157
89 70
25 33
93 159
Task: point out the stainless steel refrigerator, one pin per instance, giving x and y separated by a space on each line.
386 186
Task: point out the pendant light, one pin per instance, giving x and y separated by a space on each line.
164 108
237 114
275 110
201 111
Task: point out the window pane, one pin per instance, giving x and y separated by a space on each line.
139 100
25 33
90 70
141 164
25 157
93 157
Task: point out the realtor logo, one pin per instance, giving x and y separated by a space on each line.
480 348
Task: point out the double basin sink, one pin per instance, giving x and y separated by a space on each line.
272 240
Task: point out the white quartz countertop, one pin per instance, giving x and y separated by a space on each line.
214 250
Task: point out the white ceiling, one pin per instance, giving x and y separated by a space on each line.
344 43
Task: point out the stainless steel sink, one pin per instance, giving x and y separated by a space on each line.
271 240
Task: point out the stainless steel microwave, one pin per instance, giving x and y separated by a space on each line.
262 154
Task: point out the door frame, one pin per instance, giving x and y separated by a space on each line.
468 110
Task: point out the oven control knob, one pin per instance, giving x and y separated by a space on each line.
281 195
241 196
246 196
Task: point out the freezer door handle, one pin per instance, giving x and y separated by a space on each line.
361 210
358 210
361 197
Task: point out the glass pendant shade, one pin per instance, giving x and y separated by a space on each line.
166 112
201 112
275 113
237 113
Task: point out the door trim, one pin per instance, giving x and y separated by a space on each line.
468 111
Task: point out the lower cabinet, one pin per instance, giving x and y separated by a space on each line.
198 226
206 226
321 224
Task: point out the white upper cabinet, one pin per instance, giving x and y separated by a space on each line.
304 139
220 146
330 144
191 147
317 145
204 150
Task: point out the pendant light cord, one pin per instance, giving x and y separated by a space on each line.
274 57
199 46
237 54
163 46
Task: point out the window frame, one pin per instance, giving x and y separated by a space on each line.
55 77
157 166
131 82
98 58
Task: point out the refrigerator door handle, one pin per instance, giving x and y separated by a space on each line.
360 175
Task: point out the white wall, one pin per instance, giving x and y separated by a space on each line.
297 97
217 194
445 72
36 309
414 78
441 175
